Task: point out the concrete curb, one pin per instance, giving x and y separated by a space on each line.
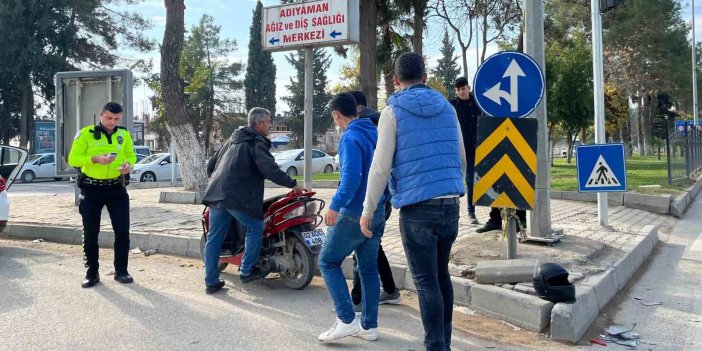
163 243
181 197
569 322
153 185
663 204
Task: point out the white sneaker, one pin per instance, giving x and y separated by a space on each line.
366 334
340 330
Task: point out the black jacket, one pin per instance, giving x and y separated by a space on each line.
237 172
468 114
371 114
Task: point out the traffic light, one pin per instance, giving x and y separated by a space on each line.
606 5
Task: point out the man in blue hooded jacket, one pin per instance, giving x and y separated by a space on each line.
420 147
344 234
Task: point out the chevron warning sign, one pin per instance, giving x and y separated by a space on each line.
505 163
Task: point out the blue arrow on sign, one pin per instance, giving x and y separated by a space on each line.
334 34
273 41
508 84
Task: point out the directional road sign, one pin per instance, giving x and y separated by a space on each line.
508 84
601 168
505 163
312 23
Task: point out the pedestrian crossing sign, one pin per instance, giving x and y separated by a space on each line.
601 168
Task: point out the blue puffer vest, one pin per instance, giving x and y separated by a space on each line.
427 163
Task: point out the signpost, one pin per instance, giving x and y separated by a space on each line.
601 168
508 86
304 25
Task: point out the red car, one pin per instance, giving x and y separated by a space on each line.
11 161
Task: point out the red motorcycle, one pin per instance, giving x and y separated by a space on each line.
291 239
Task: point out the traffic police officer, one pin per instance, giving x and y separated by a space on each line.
104 155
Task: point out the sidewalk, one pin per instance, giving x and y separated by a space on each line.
577 219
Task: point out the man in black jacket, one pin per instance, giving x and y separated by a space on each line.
235 191
468 114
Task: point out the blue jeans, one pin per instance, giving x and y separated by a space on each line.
428 232
220 220
470 169
342 239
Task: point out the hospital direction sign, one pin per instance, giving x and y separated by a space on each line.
313 23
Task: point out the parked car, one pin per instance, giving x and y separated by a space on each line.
141 152
39 166
153 168
292 162
11 161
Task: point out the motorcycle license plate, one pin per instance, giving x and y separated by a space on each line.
315 237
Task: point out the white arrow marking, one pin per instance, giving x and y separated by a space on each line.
495 93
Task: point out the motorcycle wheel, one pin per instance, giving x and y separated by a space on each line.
304 265
203 241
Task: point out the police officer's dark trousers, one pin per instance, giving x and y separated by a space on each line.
93 199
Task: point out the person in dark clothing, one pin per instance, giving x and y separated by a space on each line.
235 191
468 114
390 294
495 221
363 110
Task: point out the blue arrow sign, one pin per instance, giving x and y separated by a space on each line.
334 34
508 84
601 168
273 41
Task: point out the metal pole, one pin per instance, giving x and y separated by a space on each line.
597 69
309 91
511 233
694 70
172 151
667 151
540 218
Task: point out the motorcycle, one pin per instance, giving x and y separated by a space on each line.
291 239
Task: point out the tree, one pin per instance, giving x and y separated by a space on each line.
368 11
647 52
349 76
259 92
418 22
496 19
189 152
213 80
459 17
42 37
569 87
296 101
446 69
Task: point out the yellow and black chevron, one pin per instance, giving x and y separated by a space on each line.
505 163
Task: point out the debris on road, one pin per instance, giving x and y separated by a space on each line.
598 341
135 250
622 336
36 241
149 252
652 303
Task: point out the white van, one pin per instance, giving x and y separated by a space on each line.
39 166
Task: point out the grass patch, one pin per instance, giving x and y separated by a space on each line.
320 176
640 170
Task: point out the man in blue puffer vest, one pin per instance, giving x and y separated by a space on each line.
420 147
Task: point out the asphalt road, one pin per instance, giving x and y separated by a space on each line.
672 275
42 306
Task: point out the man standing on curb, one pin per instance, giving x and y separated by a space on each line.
235 191
468 114
104 154
344 235
420 147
